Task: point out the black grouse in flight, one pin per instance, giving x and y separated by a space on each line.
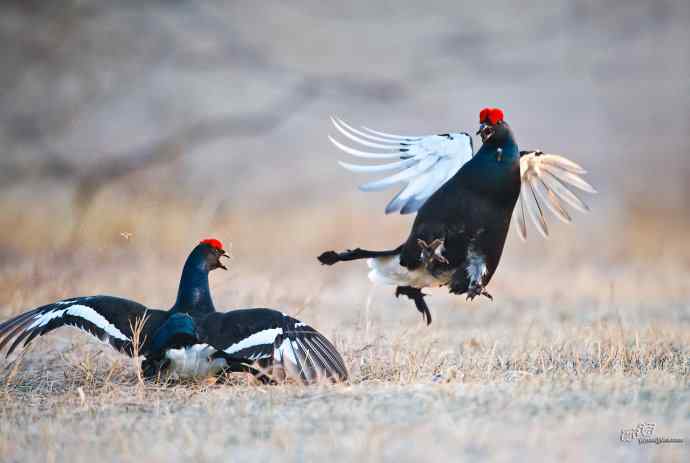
192 339
464 203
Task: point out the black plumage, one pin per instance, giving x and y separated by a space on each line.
191 339
464 204
470 215
313 353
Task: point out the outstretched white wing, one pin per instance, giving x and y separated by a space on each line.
421 163
547 180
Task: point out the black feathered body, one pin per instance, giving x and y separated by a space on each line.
464 203
471 213
191 339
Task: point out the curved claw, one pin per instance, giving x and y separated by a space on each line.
478 290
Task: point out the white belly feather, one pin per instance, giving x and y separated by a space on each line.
388 271
194 361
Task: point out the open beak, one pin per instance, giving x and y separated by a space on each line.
485 131
224 254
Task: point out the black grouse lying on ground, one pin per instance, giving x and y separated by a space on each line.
192 339
464 203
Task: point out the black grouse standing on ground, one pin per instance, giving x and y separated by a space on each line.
191 339
464 203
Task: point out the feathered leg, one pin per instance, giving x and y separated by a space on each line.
331 257
478 290
472 284
432 252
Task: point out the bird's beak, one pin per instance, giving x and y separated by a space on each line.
221 265
485 131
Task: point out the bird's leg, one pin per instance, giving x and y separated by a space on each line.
331 257
151 368
477 289
476 271
432 252
417 296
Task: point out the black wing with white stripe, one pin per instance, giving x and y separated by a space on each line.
110 319
288 348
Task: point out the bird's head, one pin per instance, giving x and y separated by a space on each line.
210 251
491 125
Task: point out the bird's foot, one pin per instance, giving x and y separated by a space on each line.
153 368
478 290
329 258
408 291
417 296
432 252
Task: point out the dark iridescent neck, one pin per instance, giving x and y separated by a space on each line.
503 141
194 294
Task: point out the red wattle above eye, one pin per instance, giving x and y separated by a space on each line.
483 115
214 243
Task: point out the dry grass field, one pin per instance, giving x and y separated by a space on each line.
130 130
577 346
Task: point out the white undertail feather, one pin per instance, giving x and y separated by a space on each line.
195 361
388 271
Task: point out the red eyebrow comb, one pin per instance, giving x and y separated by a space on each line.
214 243
491 115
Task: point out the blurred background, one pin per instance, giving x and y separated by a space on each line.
129 130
